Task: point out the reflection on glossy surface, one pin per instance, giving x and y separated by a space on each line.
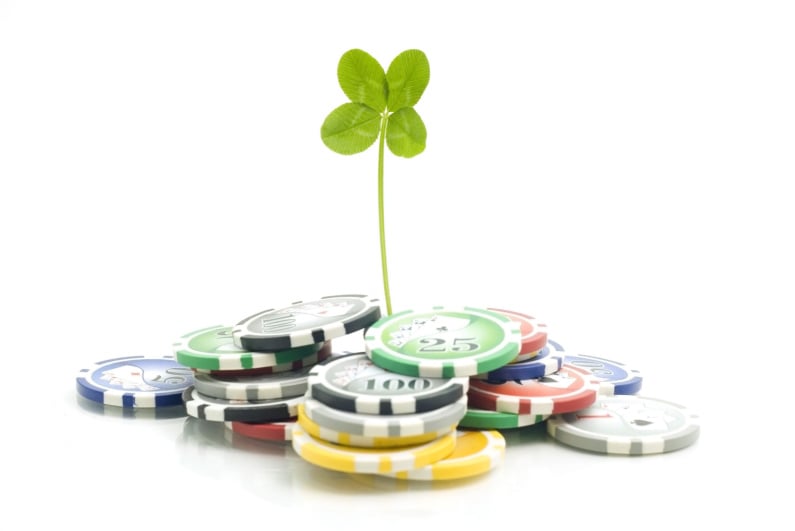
170 412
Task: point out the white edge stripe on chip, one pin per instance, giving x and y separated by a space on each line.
302 337
367 404
404 404
430 369
654 446
334 330
619 446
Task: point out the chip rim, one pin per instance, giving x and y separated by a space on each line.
260 387
370 460
361 441
384 425
213 409
323 354
489 455
280 430
486 419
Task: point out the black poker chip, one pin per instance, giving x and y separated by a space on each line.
306 322
354 383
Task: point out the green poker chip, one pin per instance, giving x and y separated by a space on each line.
443 342
214 349
482 419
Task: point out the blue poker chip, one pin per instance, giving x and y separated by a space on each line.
135 382
548 361
614 378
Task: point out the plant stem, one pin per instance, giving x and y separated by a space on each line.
381 140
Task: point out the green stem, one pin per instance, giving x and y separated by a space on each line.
382 139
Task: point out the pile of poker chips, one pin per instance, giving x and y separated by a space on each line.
427 400
255 373
340 412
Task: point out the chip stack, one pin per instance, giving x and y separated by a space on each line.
353 402
361 418
235 385
253 376
394 409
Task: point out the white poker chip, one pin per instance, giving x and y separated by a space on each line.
627 425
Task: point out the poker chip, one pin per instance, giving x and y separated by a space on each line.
266 431
370 460
323 354
475 453
443 342
214 349
484 419
627 425
534 333
306 323
260 387
135 382
385 425
614 378
354 383
347 439
217 410
567 390
543 364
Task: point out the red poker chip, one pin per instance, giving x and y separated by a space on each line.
567 390
270 431
534 333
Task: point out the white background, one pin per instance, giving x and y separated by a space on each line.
616 169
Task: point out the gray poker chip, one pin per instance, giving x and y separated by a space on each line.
385 425
627 425
204 407
306 322
260 387
354 383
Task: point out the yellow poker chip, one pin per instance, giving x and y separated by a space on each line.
360 441
370 460
476 452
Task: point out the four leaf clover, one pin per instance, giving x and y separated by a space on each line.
381 108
